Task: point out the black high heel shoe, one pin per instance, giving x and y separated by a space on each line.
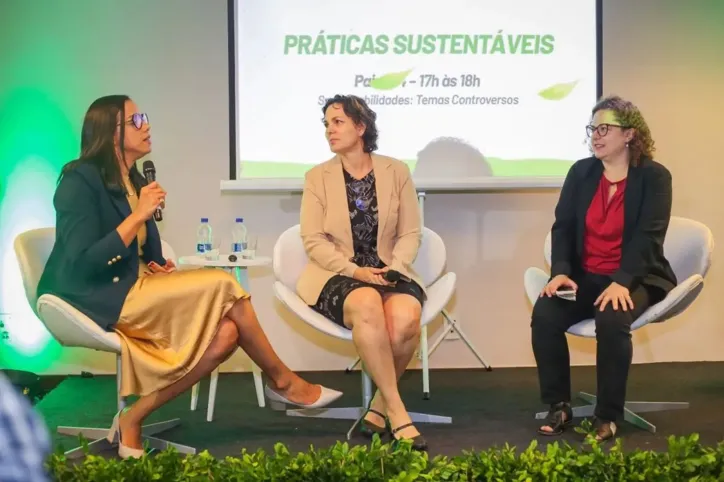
369 429
560 415
418 442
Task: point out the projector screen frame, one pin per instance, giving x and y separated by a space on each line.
289 184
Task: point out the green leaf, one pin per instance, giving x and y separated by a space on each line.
389 81
558 91
686 459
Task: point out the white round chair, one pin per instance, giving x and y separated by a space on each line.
71 328
688 247
289 261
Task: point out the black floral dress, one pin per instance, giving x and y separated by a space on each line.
362 202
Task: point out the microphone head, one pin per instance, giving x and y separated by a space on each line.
148 166
392 276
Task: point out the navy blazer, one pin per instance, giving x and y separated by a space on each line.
90 267
647 210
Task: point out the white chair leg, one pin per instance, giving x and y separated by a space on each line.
95 447
425 358
638 421
243 278
351 366
630 410
212 395
428 418
258 385
366 390
355 413
337 413
441 337
449 323
578 412
86 432
195 396
455 326
160 445
641 407
99 443
587 397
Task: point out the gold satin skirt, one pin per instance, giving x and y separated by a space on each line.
167 322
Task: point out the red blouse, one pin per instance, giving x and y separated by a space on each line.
603 235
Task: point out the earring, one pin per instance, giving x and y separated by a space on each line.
627 145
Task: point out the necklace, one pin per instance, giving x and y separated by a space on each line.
130 191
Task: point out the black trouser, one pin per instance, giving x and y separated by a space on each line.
553 316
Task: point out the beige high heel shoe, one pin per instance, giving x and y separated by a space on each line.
114 435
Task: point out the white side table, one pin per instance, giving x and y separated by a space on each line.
239 270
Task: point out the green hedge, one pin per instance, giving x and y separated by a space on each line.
686 459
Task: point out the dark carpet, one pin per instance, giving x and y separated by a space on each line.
488 409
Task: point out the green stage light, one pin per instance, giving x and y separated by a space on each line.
36 139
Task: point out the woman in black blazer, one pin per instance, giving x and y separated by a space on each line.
175 326
607 248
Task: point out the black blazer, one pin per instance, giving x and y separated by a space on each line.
90 267
647 210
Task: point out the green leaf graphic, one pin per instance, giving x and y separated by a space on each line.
389 81
558 91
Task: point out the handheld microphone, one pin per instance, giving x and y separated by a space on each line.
149 172
393 276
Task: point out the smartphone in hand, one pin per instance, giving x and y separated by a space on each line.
566 293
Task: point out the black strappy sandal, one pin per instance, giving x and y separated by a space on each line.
555 420
418 442
369 429
605 431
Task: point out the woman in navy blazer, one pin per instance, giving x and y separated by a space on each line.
175 326
607 248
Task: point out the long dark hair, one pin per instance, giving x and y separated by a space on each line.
96 141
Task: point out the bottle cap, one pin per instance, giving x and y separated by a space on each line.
239 220
204 220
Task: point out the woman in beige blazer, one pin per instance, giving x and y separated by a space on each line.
359 220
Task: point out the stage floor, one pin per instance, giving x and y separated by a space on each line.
488 409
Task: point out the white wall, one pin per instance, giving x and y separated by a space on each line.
176 70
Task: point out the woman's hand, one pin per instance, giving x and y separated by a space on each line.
170 267
371 275
615 294
557 283
151 198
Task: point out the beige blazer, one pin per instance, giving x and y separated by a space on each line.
327 231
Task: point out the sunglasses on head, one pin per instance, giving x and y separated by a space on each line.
138 119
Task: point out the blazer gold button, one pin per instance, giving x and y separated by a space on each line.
110 262
116 279
118 257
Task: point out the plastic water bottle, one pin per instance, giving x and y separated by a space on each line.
204 237
238 237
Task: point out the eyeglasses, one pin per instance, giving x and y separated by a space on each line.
602 129
138 119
